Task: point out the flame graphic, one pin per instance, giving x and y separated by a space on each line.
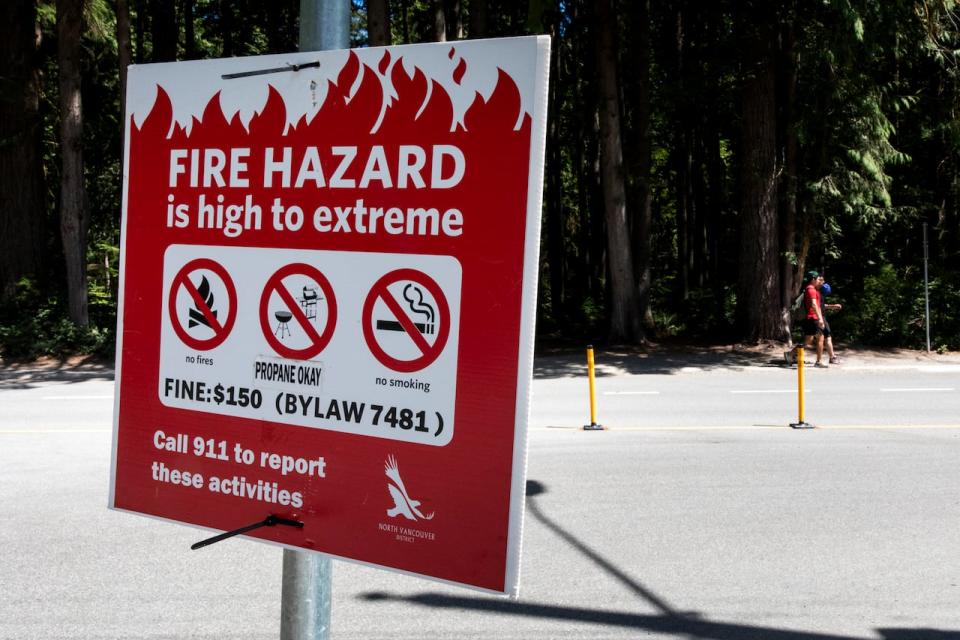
386 104
420 104
197 316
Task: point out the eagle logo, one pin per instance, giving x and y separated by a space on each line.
403 504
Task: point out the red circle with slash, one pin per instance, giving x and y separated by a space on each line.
428 352
318 341
220 331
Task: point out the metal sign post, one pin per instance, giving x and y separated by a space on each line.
305 596
307 587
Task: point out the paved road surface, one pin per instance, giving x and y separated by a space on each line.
691 518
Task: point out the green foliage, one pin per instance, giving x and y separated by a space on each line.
883 311
890 311
103 276
945 312
876 118
34 323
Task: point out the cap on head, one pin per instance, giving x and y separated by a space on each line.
810 275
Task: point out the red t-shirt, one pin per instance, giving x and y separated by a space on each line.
810 294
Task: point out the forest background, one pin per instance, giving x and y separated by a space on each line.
700 157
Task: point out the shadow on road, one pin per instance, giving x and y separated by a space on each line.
13 377
668 620
613 362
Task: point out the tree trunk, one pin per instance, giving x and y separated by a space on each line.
698 226
790 274
439 22
189 36
163 30
716 225
282 31
378 23
478 18
684 202
682 159
623 307
226 28
124 58
405 16
554 185
140 27
22 207
592 202
585 282
758 285
642 219
582 154
73 222
454 19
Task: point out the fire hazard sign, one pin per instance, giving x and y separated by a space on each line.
327 300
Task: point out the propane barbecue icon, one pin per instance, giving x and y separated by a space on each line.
403 505
195 314
419 307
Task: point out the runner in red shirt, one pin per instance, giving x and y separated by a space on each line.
815 323
823 289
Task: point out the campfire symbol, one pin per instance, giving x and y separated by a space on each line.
196 315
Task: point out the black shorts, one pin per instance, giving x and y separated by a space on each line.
812 328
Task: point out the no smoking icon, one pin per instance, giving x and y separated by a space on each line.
298 311
406 320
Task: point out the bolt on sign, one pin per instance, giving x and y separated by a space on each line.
327 300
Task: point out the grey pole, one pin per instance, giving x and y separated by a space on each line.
324 25
926 288
307 587
305 596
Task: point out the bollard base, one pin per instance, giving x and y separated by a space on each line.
593 426
801 425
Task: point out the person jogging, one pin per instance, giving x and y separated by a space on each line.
814 322
815 325
826 336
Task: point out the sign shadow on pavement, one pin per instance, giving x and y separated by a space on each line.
668 620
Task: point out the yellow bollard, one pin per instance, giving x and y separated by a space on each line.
593 426
800 424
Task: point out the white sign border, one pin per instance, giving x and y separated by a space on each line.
528 316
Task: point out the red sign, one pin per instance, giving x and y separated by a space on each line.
359 264
437 319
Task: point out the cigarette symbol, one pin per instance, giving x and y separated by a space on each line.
392 325
417 306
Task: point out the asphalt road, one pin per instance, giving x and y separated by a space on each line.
698 514
758 393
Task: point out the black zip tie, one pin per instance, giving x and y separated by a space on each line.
269 521
261 72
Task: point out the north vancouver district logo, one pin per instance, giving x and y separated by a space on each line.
403 504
